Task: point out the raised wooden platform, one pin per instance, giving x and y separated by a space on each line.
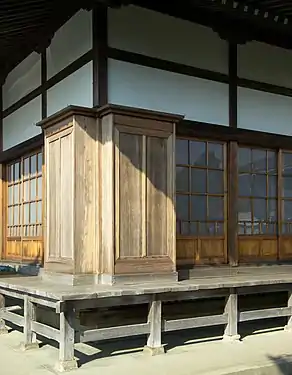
68 302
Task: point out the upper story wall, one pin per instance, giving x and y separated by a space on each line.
70 42
198 89
258 110
160 36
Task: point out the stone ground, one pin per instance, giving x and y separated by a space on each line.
260 353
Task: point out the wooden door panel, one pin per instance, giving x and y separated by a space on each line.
13 249
285 248
198 251
253 249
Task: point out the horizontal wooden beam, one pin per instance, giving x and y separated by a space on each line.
45 331
265 314
188 323
114 332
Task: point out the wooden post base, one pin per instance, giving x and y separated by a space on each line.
3 329
234 338
154 351
28 346
64 366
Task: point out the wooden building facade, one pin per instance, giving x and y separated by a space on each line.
227 95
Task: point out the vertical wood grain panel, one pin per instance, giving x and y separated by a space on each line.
53 191
130 197
156 196
107 186
65 207
171 215
85 195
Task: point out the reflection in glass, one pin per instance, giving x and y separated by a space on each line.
198 180
244 159
33 164
272 162
33 192
182 179
215 209
287 161
215 182
244 185
182 207
16 215
259 185
26 214
287 208
26 167
40 188
259 160
198 153
287 187
182 151
215 155
16 171
272 186
198 208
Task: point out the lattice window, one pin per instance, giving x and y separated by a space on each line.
24 197
200 187
286 193
257 190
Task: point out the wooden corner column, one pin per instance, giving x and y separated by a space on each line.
71 234
137 185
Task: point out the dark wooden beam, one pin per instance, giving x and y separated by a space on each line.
43 82
100 55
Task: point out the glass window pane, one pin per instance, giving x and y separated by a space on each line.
26 214
198 180
16 193
244 210
40 162
272 162
26 167
198 208
215 208
215 155
16 171
272 210
287 187
182 179
33 192
10 216
272 186
287 161
10 173
287 210
198 153
185 228
40 187
215 182
33 213
33 164
259 210
194 228
182 207
259 185
181 149
10 195
26 190
259 160
16 218
244 159
40 213
244 185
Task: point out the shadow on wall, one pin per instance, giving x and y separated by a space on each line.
283 366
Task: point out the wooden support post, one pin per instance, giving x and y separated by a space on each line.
154 346
3 328
288 327
67 361
231 309
30 341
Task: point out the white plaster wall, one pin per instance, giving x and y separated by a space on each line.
76 89
20 125
154 34
23 79
265 63
196 99
70 42
264 112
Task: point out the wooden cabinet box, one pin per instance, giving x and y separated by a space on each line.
137 185
71 235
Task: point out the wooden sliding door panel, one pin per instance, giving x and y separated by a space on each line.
254 249
24 211
201 202
130 196
156 196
